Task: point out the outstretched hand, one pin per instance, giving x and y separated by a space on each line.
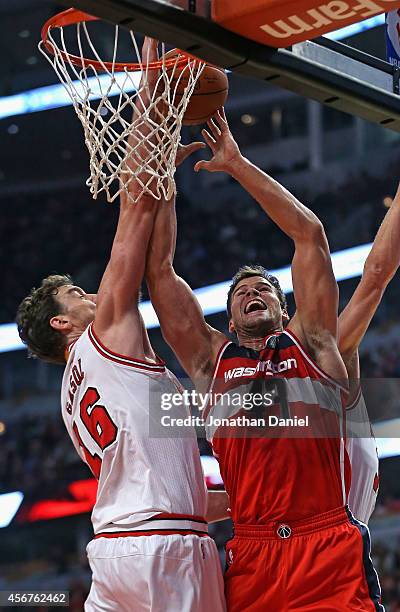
224 148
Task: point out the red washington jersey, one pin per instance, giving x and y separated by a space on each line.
279 470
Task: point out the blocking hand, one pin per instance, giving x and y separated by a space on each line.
222 144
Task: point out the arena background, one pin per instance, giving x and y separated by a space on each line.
345 169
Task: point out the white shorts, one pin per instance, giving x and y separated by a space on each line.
157 573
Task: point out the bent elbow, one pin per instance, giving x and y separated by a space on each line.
313 232
317 231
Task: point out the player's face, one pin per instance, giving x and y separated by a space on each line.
255 306
79 306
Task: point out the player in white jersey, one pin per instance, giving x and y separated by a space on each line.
104 397
151 551
363 455
380 267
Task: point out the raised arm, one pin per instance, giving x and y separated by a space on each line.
117 320
184 328
314 284
380 267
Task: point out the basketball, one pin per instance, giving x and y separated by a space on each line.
210 92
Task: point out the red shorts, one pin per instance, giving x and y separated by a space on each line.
321 564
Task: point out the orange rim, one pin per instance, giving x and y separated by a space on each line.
72 17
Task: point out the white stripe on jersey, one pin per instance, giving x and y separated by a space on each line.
361 447
140 476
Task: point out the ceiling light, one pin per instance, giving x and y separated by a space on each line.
248 119
276 117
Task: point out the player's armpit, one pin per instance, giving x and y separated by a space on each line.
124 336
352 364
217 506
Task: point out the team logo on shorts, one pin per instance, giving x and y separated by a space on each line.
230 556
284 531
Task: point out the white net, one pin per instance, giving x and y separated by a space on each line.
117 125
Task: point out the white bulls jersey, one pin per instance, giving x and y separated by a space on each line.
109 403
361 447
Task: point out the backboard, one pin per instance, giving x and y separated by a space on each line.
321 69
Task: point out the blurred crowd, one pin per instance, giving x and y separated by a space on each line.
68 232
38 458
387 564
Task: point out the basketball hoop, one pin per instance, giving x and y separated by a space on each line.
104 95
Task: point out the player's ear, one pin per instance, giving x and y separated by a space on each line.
231 327
61 323
285 316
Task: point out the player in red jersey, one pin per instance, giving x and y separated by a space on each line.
295 545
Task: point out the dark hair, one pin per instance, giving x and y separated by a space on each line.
254 270
33 320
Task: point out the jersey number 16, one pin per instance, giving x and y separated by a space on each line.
99 425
